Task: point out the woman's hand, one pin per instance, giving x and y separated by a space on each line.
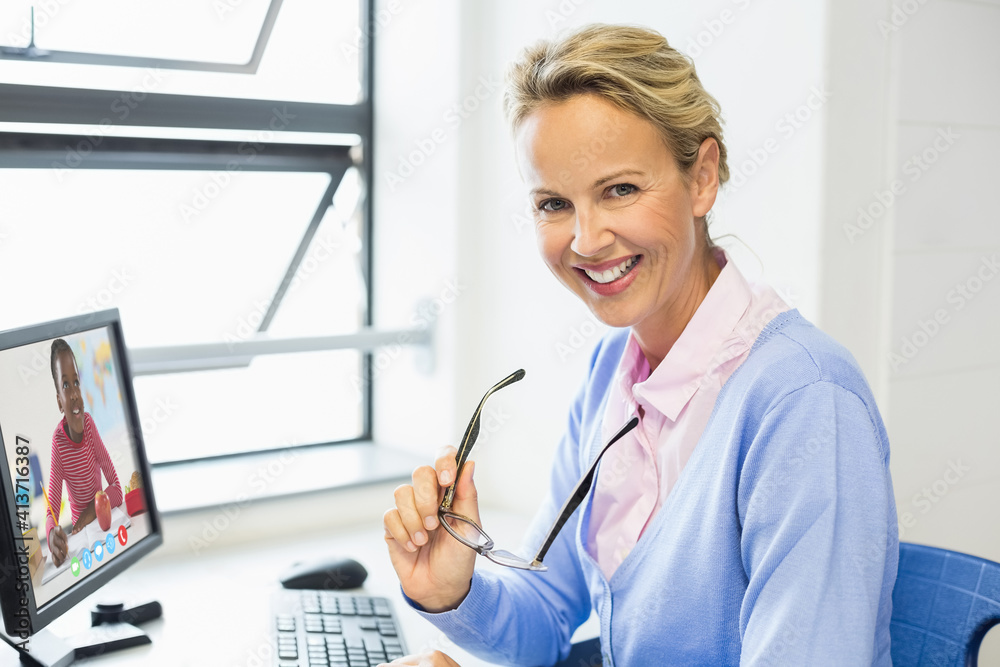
434 569
58 545
429 659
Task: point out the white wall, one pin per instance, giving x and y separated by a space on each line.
945 380
416 213
909 210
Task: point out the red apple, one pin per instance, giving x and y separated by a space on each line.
102 506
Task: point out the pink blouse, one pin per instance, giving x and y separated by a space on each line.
638 472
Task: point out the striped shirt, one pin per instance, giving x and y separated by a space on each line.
80 465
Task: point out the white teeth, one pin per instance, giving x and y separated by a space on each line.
617 272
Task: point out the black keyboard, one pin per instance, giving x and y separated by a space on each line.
327 628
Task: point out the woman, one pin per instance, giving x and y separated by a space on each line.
778 544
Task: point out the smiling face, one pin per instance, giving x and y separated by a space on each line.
68 394
616 220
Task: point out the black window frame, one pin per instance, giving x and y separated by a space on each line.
90 108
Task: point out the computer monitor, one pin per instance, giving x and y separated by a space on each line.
73 458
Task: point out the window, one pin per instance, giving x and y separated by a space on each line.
208 178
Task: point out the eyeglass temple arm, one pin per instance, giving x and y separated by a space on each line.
580 492
471 433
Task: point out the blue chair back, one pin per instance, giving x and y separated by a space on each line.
943 604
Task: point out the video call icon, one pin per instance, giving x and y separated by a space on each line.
74 566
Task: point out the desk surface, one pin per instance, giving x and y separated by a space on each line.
216 603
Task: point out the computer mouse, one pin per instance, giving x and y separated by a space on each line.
331 574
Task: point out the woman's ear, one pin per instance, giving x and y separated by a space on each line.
705 181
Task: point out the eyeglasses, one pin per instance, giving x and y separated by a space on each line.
471 534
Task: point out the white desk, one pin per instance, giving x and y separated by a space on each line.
216 604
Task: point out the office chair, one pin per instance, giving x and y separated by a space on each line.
943 604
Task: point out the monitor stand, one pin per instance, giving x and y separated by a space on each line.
46 649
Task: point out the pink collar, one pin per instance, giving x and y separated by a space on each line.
708 341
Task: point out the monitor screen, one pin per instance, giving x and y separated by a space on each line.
77 497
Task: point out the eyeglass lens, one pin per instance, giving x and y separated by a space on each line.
466 531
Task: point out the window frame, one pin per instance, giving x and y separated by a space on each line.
31 52
90 108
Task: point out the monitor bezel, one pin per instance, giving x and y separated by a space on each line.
56 607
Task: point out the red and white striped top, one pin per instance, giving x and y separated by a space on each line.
80 465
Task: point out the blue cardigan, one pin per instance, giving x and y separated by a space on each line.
777 546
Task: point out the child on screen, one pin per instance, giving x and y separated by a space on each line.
78 456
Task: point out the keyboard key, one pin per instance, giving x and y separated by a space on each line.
333 629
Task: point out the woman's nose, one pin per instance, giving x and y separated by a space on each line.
591 234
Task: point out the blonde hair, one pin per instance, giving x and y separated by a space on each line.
633 68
